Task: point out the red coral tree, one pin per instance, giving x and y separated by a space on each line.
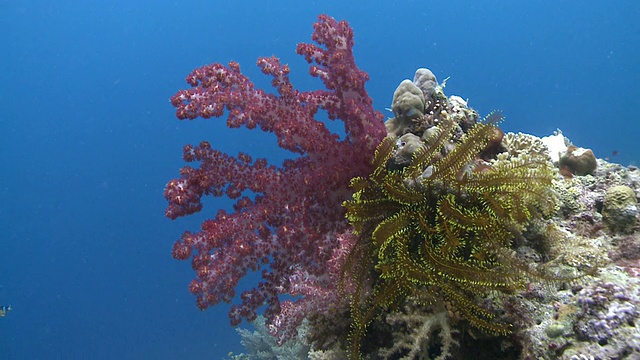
290 229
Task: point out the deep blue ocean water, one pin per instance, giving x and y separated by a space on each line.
89 138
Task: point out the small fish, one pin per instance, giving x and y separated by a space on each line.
4 309
614 153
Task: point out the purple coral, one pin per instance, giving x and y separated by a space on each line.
291 229
606 307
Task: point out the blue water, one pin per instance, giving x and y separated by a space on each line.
89 139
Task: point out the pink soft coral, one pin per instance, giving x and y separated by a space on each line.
290 228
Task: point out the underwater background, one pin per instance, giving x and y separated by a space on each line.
89 138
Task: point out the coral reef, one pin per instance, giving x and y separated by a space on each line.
440 213
563 274
459 242
444 223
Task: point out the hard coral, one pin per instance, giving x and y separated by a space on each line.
620 208
578 161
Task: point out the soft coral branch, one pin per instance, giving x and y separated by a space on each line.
292 224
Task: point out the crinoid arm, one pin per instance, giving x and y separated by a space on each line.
444 222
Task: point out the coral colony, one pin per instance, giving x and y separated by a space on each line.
433 235
291 230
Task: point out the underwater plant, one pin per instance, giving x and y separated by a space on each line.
443 223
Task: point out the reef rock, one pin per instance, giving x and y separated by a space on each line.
578 161
620 208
